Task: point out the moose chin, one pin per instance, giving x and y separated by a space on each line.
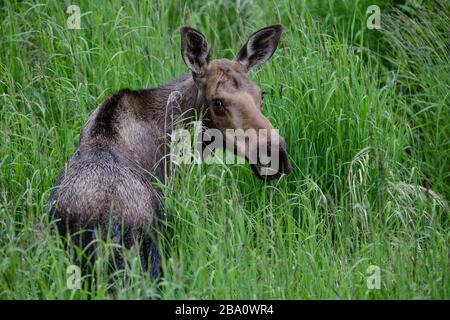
106 187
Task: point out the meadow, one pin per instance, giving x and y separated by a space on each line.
364 112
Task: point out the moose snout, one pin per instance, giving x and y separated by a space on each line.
272 160
285 165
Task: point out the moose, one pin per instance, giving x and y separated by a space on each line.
106 187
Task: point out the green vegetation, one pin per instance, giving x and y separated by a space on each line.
365 115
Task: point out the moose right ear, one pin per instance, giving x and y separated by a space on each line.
260 46
194 50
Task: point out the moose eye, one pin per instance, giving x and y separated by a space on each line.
218 107
216 103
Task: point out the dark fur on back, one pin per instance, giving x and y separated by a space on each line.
104 124
106 187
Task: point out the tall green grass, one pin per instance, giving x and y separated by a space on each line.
365 115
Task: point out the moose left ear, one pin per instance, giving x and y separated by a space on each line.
194 50
260 46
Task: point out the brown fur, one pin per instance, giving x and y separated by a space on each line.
107 182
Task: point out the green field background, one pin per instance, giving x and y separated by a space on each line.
364 112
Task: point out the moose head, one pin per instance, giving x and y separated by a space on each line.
233 103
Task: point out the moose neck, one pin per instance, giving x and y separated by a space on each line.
177 102
164 109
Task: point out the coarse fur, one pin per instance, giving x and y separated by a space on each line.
106 188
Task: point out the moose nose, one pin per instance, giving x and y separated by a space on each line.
285 165
278 163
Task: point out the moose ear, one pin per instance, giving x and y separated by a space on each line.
194 49
260 46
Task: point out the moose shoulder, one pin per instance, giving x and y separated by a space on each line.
107 183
